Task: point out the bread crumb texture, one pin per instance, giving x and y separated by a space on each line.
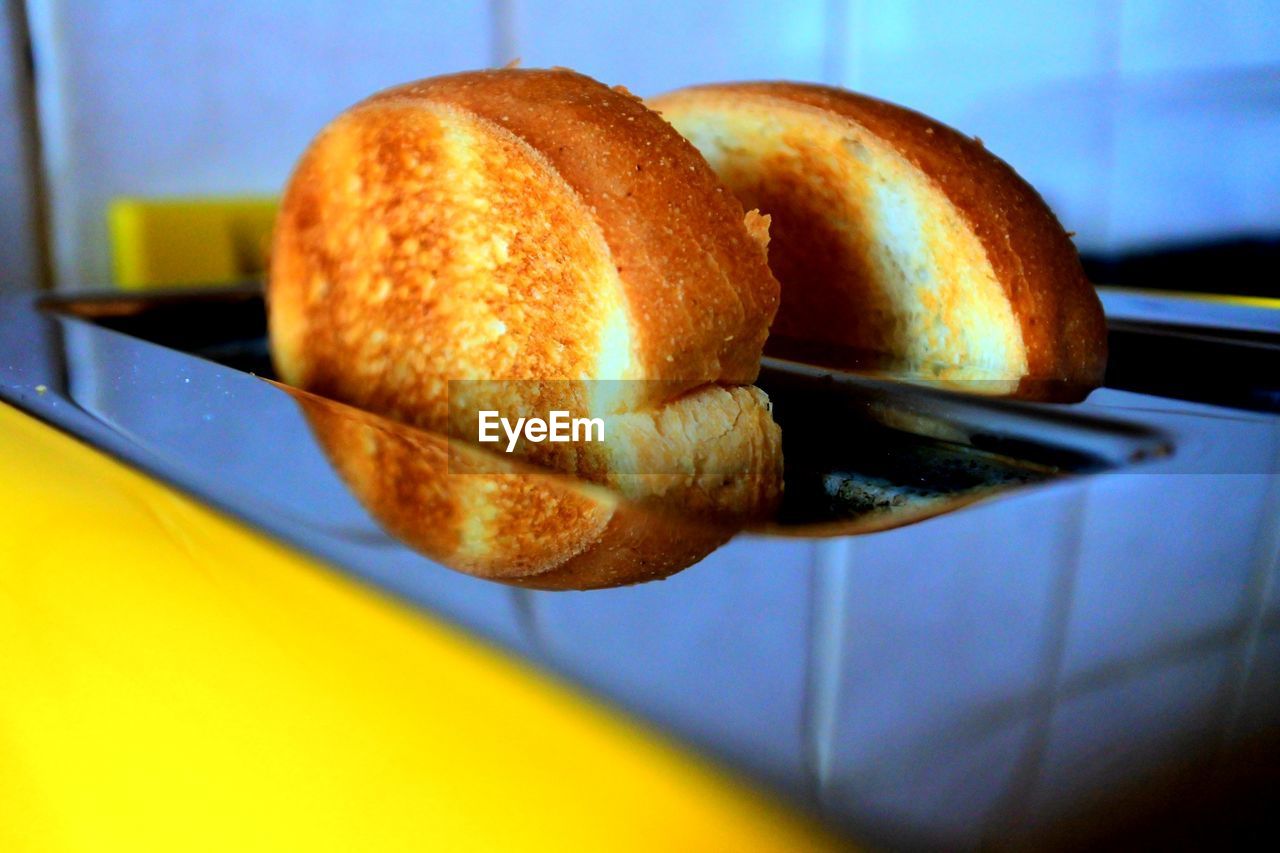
894 234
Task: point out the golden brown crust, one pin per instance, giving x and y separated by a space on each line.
1061 319
636 547
698 283
566 176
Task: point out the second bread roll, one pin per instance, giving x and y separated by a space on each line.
895 235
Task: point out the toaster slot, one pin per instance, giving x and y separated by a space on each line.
861 453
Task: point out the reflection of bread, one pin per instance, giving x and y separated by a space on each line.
895 234
485 516
520 225
715 453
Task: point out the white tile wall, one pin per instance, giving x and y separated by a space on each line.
1139 121
1158 36
947 58
1195 154
1059 136
213 96
653 47
1202 163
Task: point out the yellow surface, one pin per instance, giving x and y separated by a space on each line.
165 242
1223 298
171 681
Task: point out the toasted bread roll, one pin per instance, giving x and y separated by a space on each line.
894 234
509 228
515 225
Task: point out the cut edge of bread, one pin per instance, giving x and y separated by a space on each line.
976 254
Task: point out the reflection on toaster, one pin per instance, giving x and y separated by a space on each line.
498 519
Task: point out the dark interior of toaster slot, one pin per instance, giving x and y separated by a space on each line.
847 457
844 459
228 326
1236 368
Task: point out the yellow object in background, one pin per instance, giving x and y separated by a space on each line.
162 242
171 680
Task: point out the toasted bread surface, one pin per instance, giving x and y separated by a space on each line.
896 234
513 225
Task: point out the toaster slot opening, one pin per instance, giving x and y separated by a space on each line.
860 453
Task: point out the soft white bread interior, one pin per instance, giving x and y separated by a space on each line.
895 235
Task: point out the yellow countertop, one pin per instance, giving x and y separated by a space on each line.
171 680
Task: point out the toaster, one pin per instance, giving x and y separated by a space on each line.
975 622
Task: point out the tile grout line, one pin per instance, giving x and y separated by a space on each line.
836 54
1011 812
1112 42
503 46
1260 586
827 593
524 608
